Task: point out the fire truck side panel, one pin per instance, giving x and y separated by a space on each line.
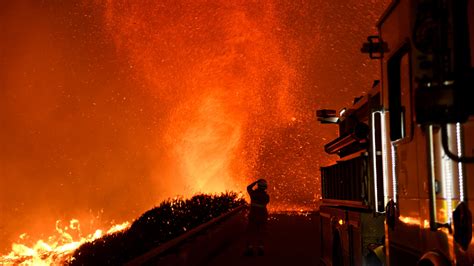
347 233
469 141
408 175
469 151
334 247
467 258
397 95
411 237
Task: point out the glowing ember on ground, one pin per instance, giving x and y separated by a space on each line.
56 249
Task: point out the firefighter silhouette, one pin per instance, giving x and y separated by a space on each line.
258 215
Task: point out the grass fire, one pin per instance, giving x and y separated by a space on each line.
108 108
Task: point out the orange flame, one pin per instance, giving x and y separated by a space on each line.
229 84
57 249
176 97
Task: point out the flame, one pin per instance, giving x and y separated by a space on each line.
235 109
227 82
175 97
56 249
205 142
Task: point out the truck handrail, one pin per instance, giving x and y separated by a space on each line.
358 135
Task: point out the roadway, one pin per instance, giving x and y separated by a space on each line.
291 240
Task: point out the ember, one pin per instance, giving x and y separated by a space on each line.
112 106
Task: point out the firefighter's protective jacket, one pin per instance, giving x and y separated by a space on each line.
258 204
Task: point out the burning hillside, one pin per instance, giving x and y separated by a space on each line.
124 242
108 107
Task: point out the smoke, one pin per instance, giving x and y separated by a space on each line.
108 107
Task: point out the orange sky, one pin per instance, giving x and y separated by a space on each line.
108 107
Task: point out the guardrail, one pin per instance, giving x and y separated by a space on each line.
180 240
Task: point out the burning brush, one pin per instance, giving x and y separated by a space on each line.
156 226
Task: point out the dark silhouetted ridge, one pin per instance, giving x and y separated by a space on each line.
169 220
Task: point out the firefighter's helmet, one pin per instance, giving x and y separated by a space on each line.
262 183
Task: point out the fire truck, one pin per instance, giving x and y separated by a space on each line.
402 190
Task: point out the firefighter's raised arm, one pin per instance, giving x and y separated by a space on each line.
250 187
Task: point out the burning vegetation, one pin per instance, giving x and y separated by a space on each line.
156 226
57 248
108 107
122 243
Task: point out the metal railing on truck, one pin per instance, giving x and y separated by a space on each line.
346 182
